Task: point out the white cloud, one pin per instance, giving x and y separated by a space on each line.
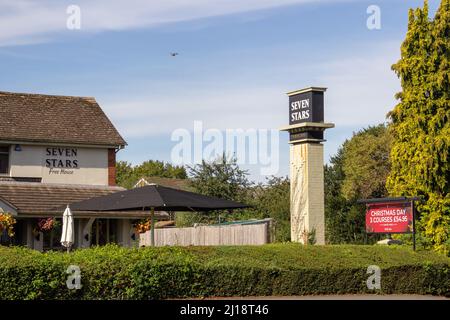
232 109
28 21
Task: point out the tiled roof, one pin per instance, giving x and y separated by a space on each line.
39 199
55 119
180 184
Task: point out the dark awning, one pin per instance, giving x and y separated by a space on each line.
158 197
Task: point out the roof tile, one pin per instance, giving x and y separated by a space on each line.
55 119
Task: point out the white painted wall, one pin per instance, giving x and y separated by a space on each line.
30 162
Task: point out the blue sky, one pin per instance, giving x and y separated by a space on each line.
236 61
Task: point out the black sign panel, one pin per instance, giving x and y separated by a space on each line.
315 135
306 107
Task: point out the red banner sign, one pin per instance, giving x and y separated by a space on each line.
389 218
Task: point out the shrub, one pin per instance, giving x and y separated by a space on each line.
112 272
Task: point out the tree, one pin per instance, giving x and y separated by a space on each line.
365 163
224 178
420 126
272 200
127 175
124 172
358 170
221 178
155 168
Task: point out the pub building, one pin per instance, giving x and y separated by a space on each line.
56 150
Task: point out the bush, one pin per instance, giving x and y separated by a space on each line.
113 272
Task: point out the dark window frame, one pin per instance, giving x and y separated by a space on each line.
5 150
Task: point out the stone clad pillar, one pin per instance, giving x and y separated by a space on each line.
307 192
306 127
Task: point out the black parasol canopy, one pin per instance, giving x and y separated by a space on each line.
155 197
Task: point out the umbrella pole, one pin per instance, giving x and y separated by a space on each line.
152 227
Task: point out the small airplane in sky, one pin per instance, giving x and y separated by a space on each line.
174 54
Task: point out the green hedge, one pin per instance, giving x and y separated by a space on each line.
112 272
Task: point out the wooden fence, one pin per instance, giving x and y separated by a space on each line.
248 233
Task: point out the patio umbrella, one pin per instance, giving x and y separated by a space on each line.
67 229
155 197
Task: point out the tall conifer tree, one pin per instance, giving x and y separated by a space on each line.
420 123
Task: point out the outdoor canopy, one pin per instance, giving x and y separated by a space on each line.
155 197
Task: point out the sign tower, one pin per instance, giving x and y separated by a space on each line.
306 131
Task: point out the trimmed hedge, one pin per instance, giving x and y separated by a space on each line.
113 272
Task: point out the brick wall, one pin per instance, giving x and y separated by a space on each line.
111 167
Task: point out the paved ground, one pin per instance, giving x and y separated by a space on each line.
338 297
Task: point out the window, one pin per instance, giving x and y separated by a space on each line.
4 159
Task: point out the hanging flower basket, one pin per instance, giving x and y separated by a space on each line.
143 225
45 225
7 223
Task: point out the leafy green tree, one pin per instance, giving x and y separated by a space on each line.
222 178
365 163
155 168
358 170
124 173
127 175
420 123
344 219
272 200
